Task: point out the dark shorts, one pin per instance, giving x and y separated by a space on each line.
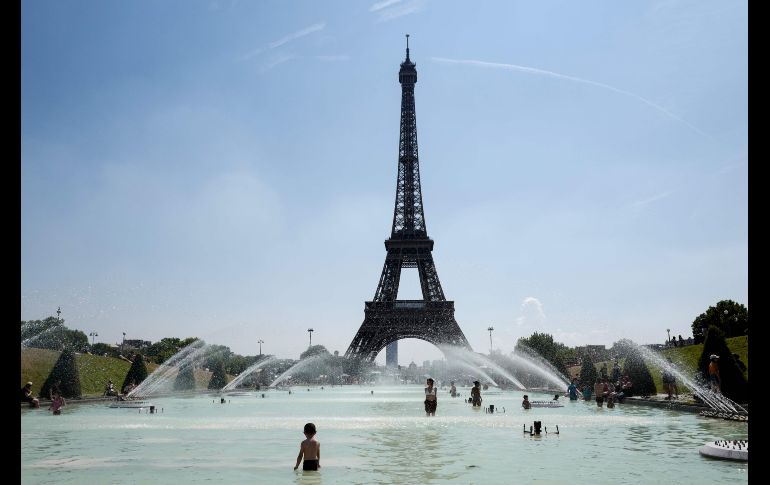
310 465
599 399
713 379
476 401
430 406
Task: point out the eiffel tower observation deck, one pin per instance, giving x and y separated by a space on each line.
387 319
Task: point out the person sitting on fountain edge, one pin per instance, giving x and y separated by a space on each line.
26 396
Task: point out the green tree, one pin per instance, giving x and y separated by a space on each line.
588 373
65 373
185 379
164 348
637 370
314 350
733 384
53 335
730 317
101 348
554 352
218 378
136 373
622 348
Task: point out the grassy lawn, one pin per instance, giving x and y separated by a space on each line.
95 371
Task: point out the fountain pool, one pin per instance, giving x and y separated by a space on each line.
379 438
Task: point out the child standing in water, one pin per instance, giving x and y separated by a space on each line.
310 449
57 402
430 398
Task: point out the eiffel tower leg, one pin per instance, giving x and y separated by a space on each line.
387 289
431 286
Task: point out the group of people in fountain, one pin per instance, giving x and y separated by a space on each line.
431 395
609 389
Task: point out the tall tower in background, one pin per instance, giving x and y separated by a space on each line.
386 319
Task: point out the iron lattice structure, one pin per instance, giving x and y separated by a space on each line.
387 319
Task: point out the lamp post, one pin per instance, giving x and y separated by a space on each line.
93 334
123 345
310 333
490 338
58 315
668 331
260 342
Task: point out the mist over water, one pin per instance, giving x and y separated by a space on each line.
253 369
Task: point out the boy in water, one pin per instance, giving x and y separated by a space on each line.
525 403
310 449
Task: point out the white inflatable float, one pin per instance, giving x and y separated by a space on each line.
130 404
727 449
546 404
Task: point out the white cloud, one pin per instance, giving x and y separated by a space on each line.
532 312
654 198
389 10
297 35
380 5
285 40
333 58
542 72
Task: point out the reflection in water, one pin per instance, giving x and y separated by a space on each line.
307 477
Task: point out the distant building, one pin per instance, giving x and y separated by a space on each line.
136 344
596 352
391 354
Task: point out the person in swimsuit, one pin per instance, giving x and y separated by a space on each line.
430 398
476 393
525 403
57 402
310 450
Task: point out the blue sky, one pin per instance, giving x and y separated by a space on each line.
226 169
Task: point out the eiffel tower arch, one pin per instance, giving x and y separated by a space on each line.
387 319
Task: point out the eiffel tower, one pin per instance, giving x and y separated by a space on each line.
387 319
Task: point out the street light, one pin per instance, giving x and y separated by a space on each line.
310 333
123 345
93 334
668 331
58 315
490 338
260 342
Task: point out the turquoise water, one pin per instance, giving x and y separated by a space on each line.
380 438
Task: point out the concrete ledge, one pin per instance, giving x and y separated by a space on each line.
675 404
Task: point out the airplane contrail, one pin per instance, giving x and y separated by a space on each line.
532 70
